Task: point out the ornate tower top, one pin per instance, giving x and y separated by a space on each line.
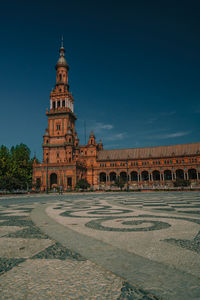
61 100
62 61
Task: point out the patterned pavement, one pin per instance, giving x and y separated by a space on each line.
161 228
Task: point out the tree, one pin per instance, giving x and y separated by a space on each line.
120 182
15 168
82 184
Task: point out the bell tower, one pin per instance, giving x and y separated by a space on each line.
59 138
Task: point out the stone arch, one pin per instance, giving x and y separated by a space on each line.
192 174
156 175
102 177
167 175
53 179
145 175
113 176
123 176
179 174
134 176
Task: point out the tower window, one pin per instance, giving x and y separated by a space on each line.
63 103
58 104
54 104
60 76
58 154
47 141
58 127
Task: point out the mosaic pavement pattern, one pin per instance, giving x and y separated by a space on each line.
33 266
163 227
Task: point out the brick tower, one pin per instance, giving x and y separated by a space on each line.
61 166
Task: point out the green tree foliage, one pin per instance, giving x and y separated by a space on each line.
15 168
82 184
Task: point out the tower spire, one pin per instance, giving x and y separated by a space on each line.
62 42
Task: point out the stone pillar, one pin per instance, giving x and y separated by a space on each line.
56 103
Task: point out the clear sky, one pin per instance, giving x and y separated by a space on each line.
134 69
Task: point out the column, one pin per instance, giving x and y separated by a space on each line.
50 104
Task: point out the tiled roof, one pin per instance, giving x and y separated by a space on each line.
149 152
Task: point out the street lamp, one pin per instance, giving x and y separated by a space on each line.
47 191
127 176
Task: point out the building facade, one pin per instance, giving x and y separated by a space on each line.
65 161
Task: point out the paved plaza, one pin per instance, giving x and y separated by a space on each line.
100 246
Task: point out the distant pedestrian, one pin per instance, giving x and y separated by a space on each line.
61 189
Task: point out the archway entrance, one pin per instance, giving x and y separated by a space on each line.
113 176
134 176
156 175
102 177
53 179
167 175
179 174
192 174
123 176
145 176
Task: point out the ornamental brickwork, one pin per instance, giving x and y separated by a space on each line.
65 161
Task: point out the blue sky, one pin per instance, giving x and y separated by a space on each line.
134 70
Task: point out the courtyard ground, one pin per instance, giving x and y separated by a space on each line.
100 246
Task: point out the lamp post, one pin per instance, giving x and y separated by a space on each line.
47 191
127 176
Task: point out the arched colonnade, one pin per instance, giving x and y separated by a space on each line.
145 175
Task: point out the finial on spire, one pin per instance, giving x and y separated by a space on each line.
62 42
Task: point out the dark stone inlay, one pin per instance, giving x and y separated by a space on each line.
196 212
157 225
31 231
106 210
130 292
57 251
7 264
165 209
193 245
